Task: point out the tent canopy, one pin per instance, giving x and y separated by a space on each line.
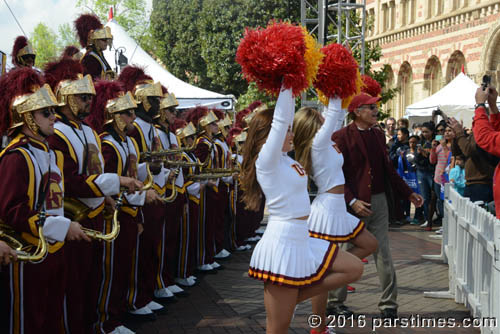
456 99
188 95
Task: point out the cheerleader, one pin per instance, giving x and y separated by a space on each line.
322 160
293 266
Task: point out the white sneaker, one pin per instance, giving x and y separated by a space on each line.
163 293
154 306
256 238
261 230
191 280
247 246
222 254
184 281
192 277
205 267
215 265
242 248
424 224
122 330
142 311
175 289
440 231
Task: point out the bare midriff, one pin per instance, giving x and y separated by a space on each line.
336 190
302 218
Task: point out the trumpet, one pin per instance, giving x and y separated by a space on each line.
163 153
173 195
175 163
221 170
22 247
208 176
77 211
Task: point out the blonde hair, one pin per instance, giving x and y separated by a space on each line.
258 131
306 123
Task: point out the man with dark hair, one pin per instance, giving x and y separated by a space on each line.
390 128
367 168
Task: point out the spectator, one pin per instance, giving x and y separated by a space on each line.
390 129
403 123
440 127
487 132
441 156
416 129
371 185
478 166
401 144
425 170
407 171
457 174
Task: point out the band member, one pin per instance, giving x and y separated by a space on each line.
23 54
293 266
86 186
112 114
32 196
7 254
206 123
95 38
148 95
175 210
322 160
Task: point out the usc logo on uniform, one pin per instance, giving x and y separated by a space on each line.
298 168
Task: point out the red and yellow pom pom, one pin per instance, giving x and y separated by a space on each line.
370 86
279 54
338 75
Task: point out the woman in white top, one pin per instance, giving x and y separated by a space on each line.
293 265
322 160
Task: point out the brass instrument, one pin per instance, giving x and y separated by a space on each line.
173 195
221 170
77 211
208 176
175 163
23 248
163 153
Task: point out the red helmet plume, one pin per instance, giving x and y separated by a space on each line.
19 43
219 113
240 122
164 90
64 69
70 51
17 82
194 115
233 132
177 124
84 25
132 76
105 90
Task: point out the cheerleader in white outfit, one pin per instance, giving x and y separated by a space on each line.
322 160
293 265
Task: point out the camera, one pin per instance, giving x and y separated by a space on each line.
486 81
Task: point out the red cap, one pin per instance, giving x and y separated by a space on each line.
362 99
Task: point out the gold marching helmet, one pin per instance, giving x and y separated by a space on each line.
224 123
168 101
66 90
103 33
209 118
122 103
144 90
23 106
21 50
26 51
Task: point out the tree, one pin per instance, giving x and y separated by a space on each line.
66 37
43 40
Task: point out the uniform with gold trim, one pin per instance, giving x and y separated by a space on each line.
86 186
32 182
120 154
95 38
147 95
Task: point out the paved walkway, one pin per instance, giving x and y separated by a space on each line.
230 302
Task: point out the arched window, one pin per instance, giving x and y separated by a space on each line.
433 75
390 106
455 64
405 78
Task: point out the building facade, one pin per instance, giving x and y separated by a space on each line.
428 42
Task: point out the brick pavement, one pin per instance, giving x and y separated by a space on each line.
230 302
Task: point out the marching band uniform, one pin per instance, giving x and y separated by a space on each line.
329 219
286 255
86 184
32 182
121 157
89 30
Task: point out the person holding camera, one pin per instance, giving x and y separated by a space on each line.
425 170
486 130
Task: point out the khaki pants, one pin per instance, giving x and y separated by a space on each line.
378 225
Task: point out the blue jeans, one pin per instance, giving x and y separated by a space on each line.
425 185
439 201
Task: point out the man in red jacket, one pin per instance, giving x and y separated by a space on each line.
371 184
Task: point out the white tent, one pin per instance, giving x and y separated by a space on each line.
456 99
188 96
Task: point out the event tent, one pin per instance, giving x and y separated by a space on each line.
456 99
188 95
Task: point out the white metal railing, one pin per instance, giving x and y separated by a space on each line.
470 246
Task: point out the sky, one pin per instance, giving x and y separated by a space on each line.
31 12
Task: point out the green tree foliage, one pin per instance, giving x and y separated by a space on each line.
44 41
197 39
66 37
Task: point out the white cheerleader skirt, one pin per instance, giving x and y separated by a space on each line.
287 256
329 219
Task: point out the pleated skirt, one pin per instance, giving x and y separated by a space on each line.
287 256
329 219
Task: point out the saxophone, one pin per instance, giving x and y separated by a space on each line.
173 195
23 248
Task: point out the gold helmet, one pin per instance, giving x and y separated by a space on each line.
145 90
209 118
168 101
90 29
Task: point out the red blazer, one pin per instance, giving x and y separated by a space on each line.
357 171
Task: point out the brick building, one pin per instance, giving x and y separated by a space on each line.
427 42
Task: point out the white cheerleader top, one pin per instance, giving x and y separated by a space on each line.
282 179
327 160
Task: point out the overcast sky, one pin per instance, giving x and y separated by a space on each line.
31 12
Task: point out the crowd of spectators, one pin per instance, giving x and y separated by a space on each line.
431 154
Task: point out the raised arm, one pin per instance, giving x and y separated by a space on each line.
270 152
334 115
